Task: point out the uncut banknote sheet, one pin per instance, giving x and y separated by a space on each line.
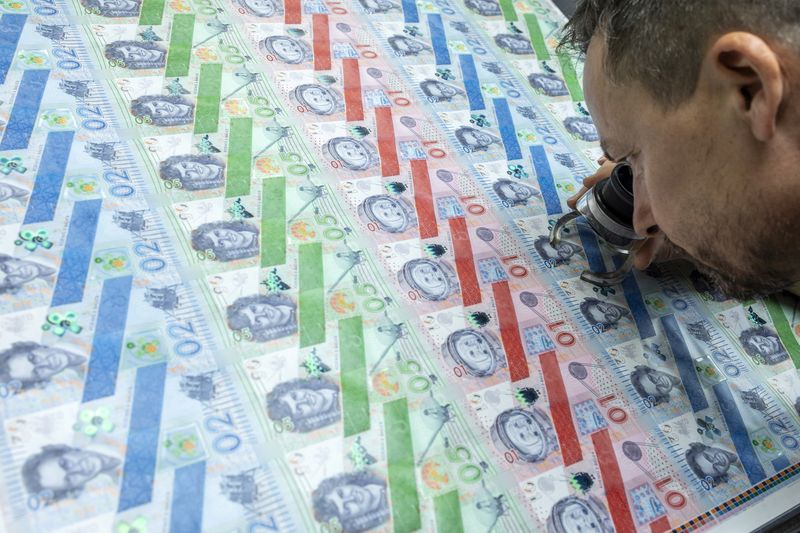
282 265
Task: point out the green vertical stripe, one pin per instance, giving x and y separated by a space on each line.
240 153
570 77
784 329
312 295
448 512
152 11
537 39
509 13
206 119
355 400
180 45
273 222
402 478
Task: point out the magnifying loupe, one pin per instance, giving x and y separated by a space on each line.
608 208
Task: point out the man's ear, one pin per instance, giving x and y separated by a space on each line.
748 70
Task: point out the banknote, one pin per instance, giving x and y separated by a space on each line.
282 265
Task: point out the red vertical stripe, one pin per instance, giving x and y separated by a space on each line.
386 144
292 13
612 481
509 331
465 263
322 42
354 106
559 407
423 199
661 525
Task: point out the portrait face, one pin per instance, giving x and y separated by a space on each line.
514 44
378 6
259 8
318 99
73 469
390 214
431 281
303 402
353 154
713 462
15 273
475 352
137 54
288 50
406 46
440 91
516 192
264 315
476 139
561 253
40 363
733 243
656 383
118 6
8 191
576 517
486 7
353 500
549 85
163 109
525 434
227 239
584 129
196 171
597 312
766 345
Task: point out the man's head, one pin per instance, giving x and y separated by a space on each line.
357 500
60 471
310 403
698 95
228 239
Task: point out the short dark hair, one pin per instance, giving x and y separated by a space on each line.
661 43
325 511
33 480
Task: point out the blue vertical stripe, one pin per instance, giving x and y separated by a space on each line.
738 431
591 247
636 303
138 475
101 379
50 176
685 364
507 130
77 254
547 186
780 463
188 490
26 107
438 40
410 14
10 30
471 84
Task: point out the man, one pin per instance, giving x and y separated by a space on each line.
352 153
16 273
474 140
318 99
700 96
479 351
654 385
266 317
710 463
286 49
605 315
438 91
392 214
573 514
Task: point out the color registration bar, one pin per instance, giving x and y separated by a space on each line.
402 475
613 484
353 104
423 199
180 45
509 331
355 395
240 154
206 119
507 130
544 175
26 108
273 222
49 177
691 383
322 42
469 75
386 142
465 263
77 256
559 408
11 26
312 295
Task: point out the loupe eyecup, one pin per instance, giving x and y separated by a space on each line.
608 209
